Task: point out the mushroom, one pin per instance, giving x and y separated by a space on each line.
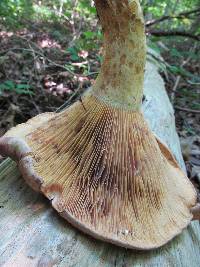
100 165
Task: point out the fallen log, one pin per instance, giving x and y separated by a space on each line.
33 234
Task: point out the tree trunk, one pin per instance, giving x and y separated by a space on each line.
33 235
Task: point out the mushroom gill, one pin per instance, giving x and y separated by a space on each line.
99 163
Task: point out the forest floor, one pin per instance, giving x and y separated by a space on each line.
38 74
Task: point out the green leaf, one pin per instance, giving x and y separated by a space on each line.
89 34
92 10
9 85
22 86
17 88
73 53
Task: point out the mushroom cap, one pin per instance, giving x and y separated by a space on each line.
107 174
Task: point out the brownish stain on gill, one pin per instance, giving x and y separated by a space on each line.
75 150
92 157
39 136
140 188
57 148
80 124
101 177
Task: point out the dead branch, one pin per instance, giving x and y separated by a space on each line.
187 110
173 33
181 15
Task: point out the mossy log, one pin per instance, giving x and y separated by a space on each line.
32 234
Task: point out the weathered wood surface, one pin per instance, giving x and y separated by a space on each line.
33 235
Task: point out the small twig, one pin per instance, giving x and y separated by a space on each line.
175 88
185 62
29 42
33 103
61 8
188 110
60 14
68 102
192 83
50 61
40 53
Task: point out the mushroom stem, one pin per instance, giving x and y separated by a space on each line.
120 82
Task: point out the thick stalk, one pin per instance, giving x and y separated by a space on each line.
120 81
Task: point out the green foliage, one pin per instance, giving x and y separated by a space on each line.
177 70
16 13
160 8
12 12
70 14
17 88
155 9
89 40
73 53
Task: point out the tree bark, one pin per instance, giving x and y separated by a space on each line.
33 235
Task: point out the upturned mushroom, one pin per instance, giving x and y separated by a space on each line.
99 163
